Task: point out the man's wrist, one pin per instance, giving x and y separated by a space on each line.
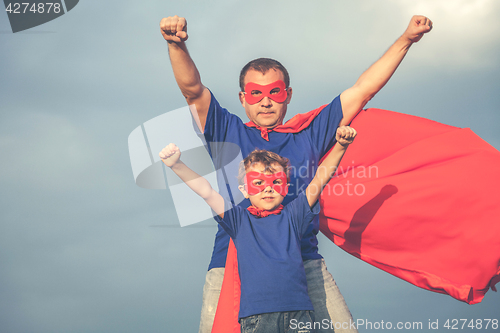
405 41
175 45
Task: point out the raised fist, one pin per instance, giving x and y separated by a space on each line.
345 135
170 155
174 29
419 25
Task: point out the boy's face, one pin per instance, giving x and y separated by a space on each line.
267 112
268 199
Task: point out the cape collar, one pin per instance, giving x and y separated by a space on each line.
296 124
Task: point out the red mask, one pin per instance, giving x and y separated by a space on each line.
276 91
278 181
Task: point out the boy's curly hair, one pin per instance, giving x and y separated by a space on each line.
265 157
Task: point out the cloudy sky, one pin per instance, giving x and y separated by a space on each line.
84 249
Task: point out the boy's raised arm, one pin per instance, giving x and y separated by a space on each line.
170 156
345 136
174 31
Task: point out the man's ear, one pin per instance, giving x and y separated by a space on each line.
242 189
241 95
288 95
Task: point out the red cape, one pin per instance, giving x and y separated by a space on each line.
296 124
413 197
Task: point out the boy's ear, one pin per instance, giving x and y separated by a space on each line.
242 189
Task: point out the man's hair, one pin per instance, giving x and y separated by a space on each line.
263 65
265 157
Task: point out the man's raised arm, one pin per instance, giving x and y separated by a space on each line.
174 30
375 77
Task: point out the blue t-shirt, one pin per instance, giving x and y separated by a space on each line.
270 264
304 150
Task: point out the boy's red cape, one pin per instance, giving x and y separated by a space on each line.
413 197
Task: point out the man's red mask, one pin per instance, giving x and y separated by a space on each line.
278 181
276 91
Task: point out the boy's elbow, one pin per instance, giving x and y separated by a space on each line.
207 194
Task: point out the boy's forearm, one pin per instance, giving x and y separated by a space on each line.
324 173
195 182
200 186
329 166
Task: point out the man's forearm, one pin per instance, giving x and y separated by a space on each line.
378 74
185 71
374 78
174 31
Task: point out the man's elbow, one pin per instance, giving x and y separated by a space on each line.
365 92
191 95
194 93
349 113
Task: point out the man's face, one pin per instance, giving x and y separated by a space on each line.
267 112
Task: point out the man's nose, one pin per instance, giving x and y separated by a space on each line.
266 101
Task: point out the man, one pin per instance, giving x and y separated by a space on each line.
265 95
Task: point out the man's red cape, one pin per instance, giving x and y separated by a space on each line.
413 197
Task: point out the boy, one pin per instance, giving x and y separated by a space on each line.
267 235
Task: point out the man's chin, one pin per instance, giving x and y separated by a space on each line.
268 123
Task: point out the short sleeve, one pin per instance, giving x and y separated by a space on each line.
218 121
323 128
301 213
232 218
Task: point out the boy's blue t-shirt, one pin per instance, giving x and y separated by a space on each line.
269 258
224 131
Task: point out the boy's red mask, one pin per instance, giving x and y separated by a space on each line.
276 91
266 180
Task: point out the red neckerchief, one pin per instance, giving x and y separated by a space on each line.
259 212
296 124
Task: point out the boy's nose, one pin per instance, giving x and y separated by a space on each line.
269 189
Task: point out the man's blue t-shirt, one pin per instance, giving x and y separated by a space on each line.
304 150
269 257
